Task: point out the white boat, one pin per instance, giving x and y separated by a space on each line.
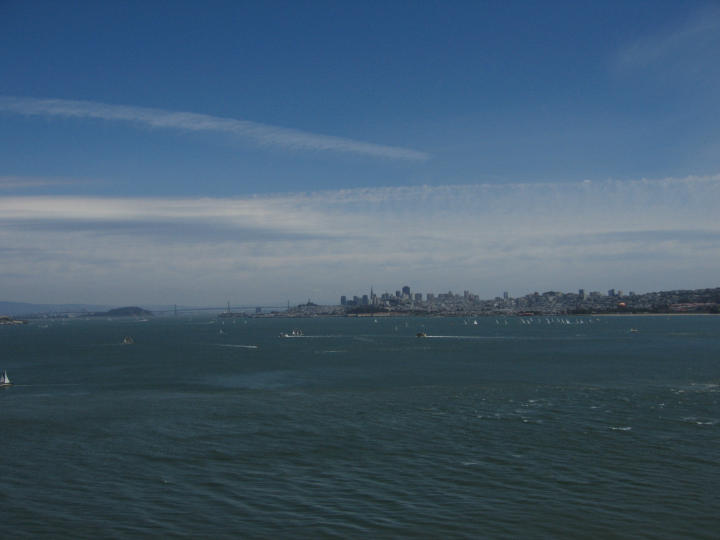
5 380
127 340
292 333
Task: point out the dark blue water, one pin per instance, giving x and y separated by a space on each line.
360 429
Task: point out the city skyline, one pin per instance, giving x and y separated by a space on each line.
405 301
268 152
407 294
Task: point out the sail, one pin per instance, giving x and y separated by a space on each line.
4 379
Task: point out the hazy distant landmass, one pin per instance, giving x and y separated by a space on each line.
29 310
129 311
25 308
407 302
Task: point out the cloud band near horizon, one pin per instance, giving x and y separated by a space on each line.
258 133
639 235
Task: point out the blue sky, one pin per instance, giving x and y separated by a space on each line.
262 151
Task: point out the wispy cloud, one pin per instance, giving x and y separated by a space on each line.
640 235
260 134
29 182
690 43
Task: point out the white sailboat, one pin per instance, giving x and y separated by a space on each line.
5 380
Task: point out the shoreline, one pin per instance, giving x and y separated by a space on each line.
655 314
468 315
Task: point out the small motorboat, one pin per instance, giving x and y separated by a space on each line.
421 334
292 333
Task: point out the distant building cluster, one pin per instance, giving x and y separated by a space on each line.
402 296
404 301
549 302
7 320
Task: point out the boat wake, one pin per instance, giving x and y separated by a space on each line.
430 336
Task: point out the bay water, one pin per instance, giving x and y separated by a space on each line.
534 427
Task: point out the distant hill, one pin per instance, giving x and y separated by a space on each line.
130 311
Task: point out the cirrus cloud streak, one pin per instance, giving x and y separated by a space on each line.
260 134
